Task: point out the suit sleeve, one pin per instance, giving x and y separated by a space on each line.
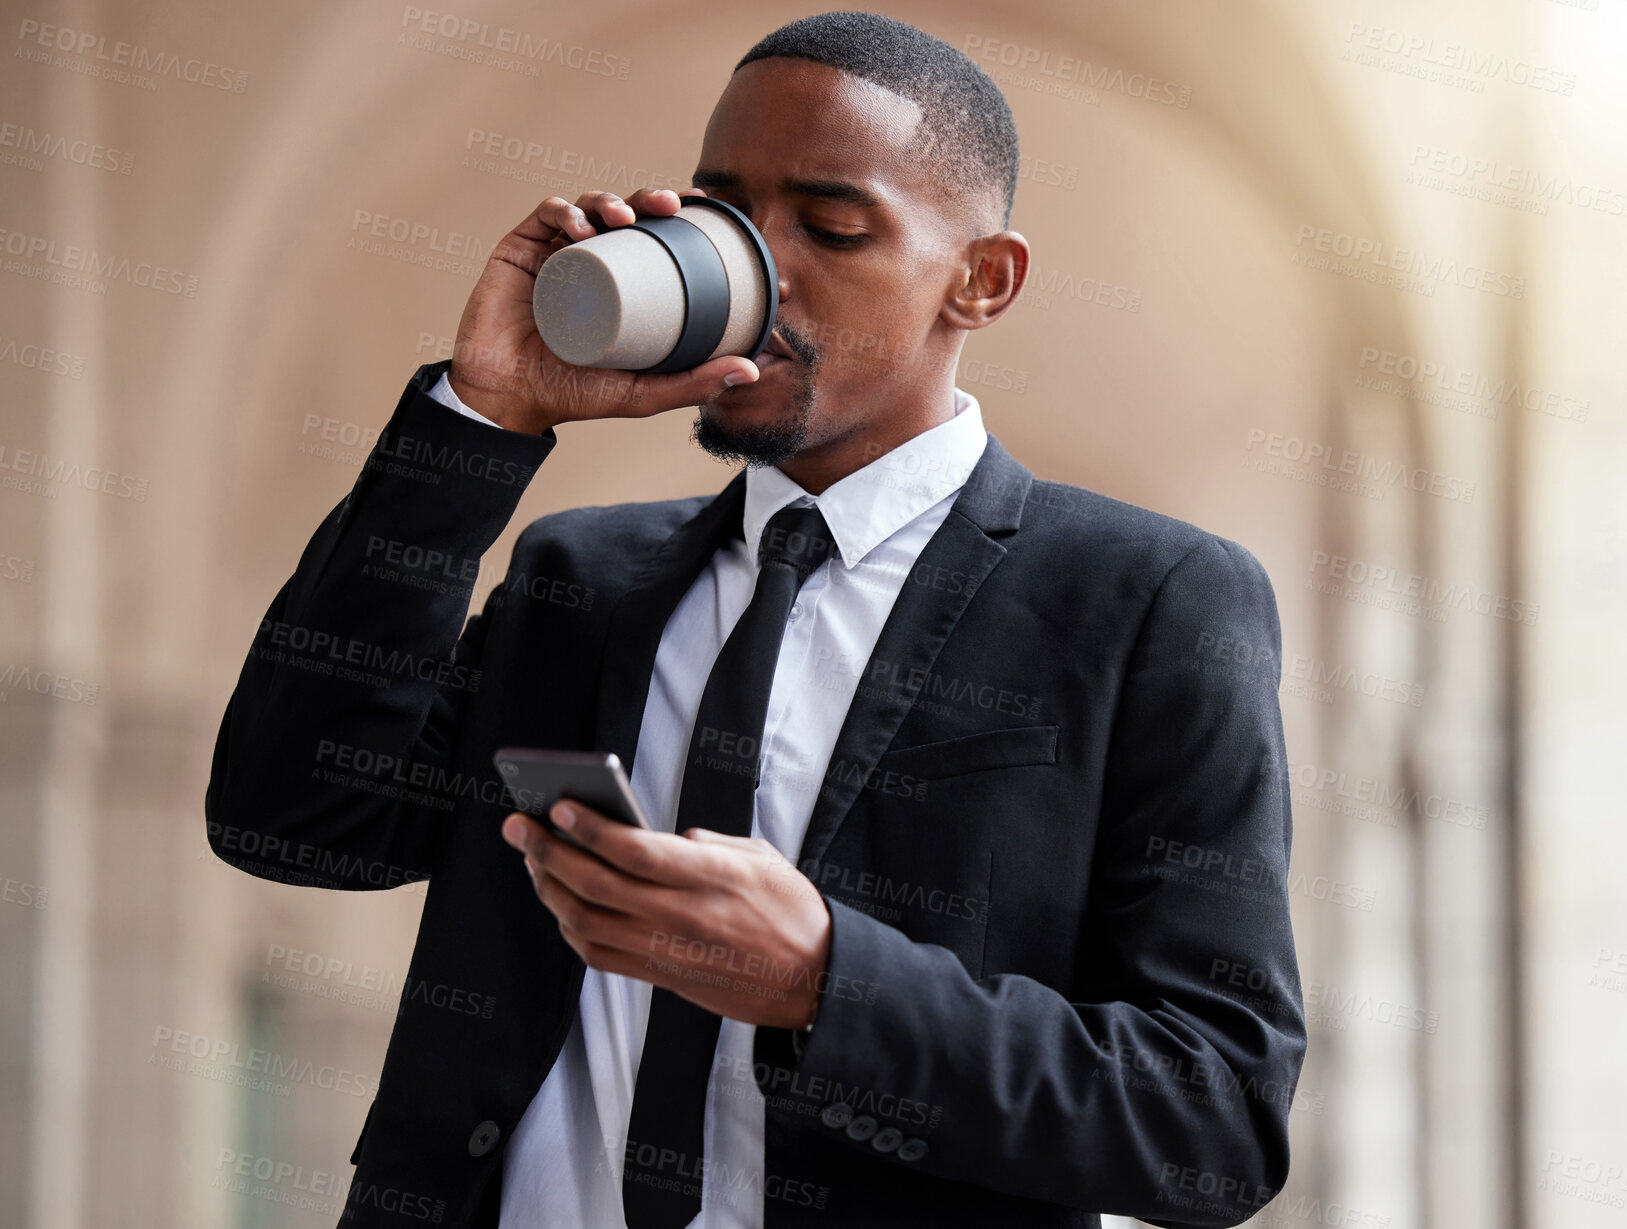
1160 1086
443 392
331 764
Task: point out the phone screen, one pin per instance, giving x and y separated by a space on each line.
536 779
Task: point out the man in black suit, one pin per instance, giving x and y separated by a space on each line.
999 932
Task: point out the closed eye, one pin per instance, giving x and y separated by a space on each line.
833 238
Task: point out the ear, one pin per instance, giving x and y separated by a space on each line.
996 267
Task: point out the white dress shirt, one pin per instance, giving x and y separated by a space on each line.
564 1163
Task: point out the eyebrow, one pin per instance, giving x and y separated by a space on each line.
824 189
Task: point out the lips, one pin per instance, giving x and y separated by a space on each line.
776 348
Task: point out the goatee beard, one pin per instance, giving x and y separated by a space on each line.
759 446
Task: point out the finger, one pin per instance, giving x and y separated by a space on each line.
598 903
520 830
550 858
611 959
549 852
556 222
665 390
767 863
591 897
658 201
589 920
590 877
654 857
607 208
552 218
617 936
536 841
706 836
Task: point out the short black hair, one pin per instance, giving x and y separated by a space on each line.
965 121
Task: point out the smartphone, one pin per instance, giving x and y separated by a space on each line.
536 779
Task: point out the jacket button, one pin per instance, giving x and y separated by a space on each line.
484 1138
912 1149
862 1127
886 1139
836 1114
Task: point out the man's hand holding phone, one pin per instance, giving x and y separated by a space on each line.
725 921
502 369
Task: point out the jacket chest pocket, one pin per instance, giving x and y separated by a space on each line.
1010 747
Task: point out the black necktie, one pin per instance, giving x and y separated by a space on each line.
661 1181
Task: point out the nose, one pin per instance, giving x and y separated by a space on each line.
778 250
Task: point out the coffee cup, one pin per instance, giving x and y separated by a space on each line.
662 293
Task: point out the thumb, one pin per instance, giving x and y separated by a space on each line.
707 836
666 390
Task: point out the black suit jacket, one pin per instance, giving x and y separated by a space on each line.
1053 837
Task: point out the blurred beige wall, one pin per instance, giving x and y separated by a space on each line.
1342 281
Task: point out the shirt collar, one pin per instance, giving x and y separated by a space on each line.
871 504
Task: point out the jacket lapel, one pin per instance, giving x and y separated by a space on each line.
956 561
637 620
